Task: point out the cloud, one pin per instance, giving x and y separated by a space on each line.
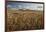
9 6
32 6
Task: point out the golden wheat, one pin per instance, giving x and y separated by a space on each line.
24 21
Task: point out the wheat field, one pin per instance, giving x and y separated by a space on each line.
24 20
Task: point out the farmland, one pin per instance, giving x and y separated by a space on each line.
24 20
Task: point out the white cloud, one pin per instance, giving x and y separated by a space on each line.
9 6
32 6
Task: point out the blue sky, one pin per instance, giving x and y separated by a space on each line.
32 6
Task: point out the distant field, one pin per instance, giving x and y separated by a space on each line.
24 20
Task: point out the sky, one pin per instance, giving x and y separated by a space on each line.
31 6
